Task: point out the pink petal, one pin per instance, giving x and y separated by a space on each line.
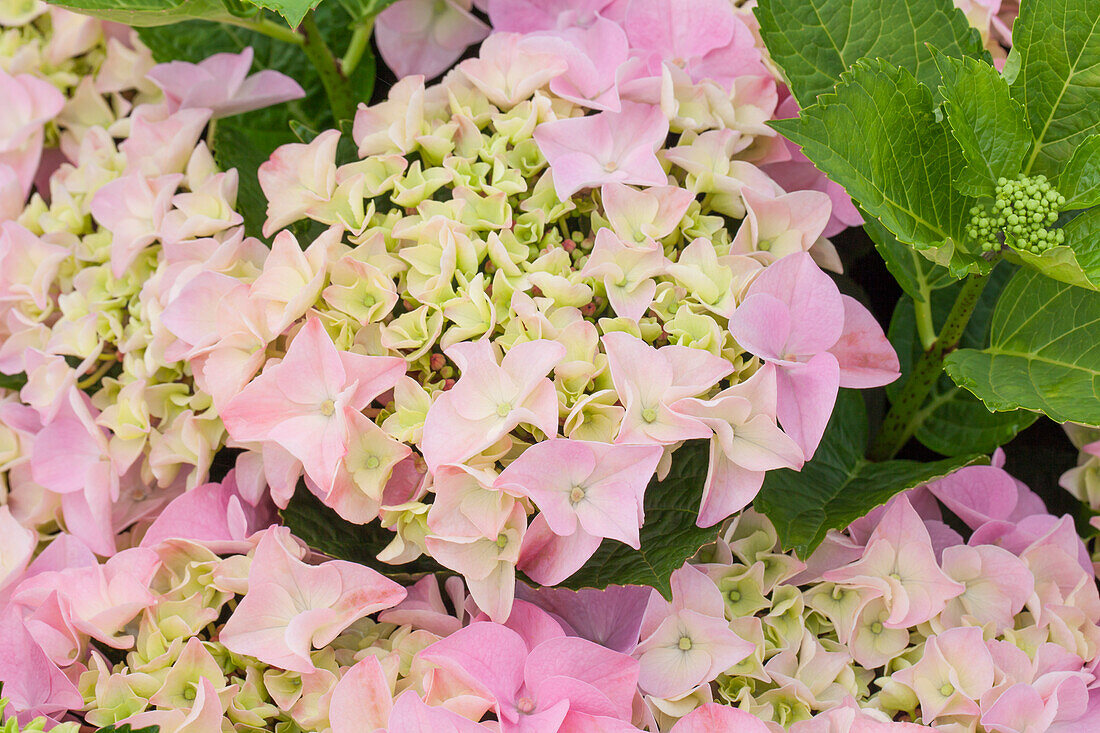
807 393
361 699
867 359
548 559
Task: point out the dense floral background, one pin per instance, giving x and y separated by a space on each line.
521 378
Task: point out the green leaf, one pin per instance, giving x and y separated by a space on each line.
292 10
669 536
245 145
1061 262
878 136
1083 237
918 276
149 12
989 124
813 41
325 531
1044 354
839 485
1056 47
13 382
952 421
1079 181
125 728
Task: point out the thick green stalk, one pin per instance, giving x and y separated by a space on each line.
905 412
335 82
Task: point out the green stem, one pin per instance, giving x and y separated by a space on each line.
359 48
926 330
266 27
899 423
336 85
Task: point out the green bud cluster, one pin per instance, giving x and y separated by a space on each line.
1025 207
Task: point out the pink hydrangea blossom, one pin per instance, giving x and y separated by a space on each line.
648 381
526 16
133 209
794 316
222 84
746 444
900 565
291 607
608 147
705 37
31 103
425 36
687 642
299 402
543 682
597 493
491 398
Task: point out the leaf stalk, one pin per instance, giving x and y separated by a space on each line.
905 412
266 27
359 49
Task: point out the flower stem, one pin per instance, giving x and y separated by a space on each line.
905 412
359 48
98 374
335 82
266 27
926 330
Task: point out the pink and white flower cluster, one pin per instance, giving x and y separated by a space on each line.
104 427
494 327
212 620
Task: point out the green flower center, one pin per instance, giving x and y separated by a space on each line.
503 409
372 462
947 690
649 414
576 494
684 644
328 407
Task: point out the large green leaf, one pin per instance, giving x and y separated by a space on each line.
813 41
989 124
839 485
1044 352
669 536
877 135
918 276
125 728
952 421
149 12
1079 181
1056 63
